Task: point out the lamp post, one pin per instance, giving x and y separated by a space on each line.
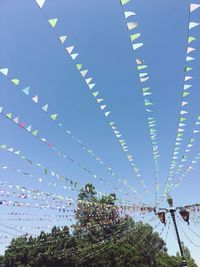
172 211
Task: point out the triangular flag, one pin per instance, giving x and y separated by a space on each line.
182 119
135 36
107 113
54 116
190 49
92 85
187 78
53 22
194 7
79 66
128 14
9 115
83 72
69 49
74 56
188 69
95 94
132 25
183 112
99 100
29 128
63 38
4 71
88 80
103 107
35 132
193 24
191 39
3 146
123 2
40 3
16 120
139 61
187 86
26 90
141 67
1 109
138 45
184 103
185 94
35 99
45 107
189 58
15 81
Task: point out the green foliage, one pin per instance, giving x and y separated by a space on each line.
119 242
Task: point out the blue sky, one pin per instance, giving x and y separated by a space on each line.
31 51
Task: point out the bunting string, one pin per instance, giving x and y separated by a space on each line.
34 133
143 75
96 94
183 114
53 116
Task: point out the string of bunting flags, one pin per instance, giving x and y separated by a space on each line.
95 93
59 124
143 75
34 133
187 85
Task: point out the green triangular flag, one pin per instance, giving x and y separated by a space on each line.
35 132
79 66
9 115
123 2
134 36
188 68
182 119
15 81
95 94
54 116
3 146
53 22
141 67
185 94
190 39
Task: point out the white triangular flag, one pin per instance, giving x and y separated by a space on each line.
193 24
40 3
83 72
190 49
88 80
128 14
74 56
194 7
35 99
138 45
62 38
132 25
4 71
103 107
69 49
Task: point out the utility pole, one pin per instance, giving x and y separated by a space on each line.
172 211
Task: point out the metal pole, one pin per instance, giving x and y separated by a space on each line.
172 212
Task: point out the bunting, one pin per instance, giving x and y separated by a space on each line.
143 75
60 125
107 113
183 113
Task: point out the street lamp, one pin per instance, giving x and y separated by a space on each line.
172 211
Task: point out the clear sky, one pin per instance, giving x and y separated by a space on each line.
32 53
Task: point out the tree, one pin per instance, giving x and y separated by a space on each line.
119 241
